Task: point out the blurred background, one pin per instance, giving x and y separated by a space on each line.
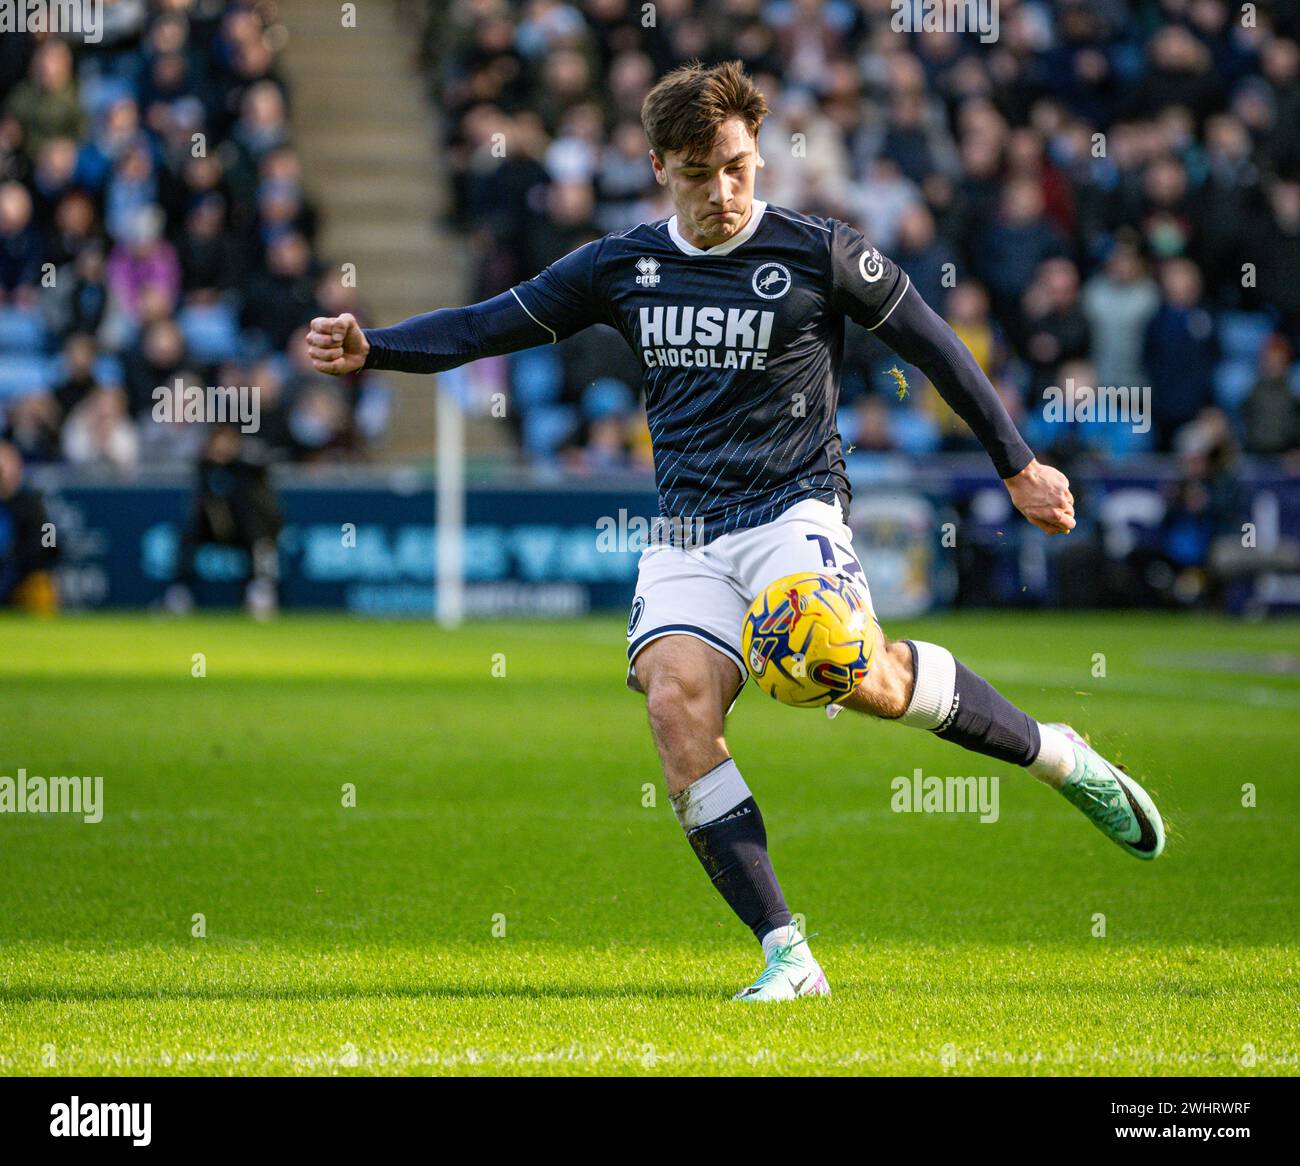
1107 194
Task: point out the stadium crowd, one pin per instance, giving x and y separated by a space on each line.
1107 195
153 226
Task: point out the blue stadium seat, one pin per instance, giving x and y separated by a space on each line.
546 428
20 375
914 432
211 331
1242 334
537 377
1233 380
108 369
607 397
21 330
99 90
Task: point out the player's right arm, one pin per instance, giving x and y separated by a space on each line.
555 304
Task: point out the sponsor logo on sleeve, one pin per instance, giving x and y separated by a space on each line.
871 264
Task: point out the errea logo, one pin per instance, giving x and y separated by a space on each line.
771 280
649 269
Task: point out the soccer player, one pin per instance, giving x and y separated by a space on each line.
736 310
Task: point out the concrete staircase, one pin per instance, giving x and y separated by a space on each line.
368 138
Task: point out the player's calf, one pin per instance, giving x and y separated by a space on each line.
688 688
923 686
888 687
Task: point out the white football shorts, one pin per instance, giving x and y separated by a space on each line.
705 591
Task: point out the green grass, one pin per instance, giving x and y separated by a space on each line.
360 940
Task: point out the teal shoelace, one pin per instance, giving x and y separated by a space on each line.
1101 800
774 965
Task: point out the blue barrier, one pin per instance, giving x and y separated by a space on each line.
370 548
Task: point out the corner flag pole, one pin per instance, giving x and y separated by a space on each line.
450 515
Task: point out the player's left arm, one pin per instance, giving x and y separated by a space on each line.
872 290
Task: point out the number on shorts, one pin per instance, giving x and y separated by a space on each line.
849 564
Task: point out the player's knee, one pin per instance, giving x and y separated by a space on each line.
678 703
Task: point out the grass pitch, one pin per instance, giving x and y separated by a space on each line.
506 896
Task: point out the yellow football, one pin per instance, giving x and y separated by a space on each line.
808 638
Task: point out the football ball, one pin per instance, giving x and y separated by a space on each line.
808 638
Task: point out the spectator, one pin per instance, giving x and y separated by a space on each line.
46 105
208 255
26 551
1018 242
98 433
1166 221
1272 411
283 296
807 164
1180 352
1118 303
131 192
881 200
74 227
20 246
1054 327
88 303
53 178
156 359
143 261
1180 73
32 427
1276 247
78 380
927 259
144 233
234 506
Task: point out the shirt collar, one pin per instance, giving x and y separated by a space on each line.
757 207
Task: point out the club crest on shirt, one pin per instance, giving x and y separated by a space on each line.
649 269
871 264
771 280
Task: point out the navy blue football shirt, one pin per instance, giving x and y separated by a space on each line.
740 347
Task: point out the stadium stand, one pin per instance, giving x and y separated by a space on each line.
1109 191
154 225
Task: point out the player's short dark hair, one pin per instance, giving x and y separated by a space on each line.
688 106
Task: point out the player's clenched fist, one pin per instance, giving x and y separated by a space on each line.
336 344
1043 496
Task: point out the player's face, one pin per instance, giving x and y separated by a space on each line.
712 195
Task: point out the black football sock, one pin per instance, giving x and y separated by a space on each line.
955 704
725 829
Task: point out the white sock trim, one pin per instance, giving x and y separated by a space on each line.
936 686
778 937
711 796
1056 760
